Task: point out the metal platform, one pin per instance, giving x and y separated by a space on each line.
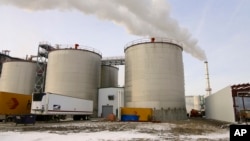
117 60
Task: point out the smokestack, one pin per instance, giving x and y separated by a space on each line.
208 89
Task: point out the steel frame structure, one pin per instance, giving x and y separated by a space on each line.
42 55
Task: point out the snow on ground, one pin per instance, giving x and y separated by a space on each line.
213 136
103 136
159 127
114 131
96 136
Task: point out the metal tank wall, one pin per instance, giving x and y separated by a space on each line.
154 78
197 102
109 76
18 77
75 73
193 102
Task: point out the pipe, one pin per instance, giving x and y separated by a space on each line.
208 89
76 46
31 56
152 40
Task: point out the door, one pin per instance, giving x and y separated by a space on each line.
106 110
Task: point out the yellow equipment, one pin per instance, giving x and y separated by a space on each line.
14 104
145 114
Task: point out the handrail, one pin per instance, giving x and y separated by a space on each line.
152 40
72 46
113 58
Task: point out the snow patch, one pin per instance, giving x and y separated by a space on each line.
104 135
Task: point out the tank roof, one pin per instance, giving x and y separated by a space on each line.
81 49
153 40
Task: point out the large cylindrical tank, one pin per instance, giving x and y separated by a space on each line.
75 73
197 102
109 76
18 77
194 102
154 77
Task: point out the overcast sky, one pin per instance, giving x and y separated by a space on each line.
216 30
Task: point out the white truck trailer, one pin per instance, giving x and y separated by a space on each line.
56 105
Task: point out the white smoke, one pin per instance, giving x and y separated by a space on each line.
143 18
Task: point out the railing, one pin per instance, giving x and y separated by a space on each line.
116 60
44 43
113 58
72 46
152 40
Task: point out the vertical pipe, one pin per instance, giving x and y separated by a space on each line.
119 104
152 39
208 89
244 108
76 46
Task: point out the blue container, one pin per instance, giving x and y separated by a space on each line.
25 119
130 118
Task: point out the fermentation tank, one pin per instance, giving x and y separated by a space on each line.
75 73
18 77
109 76
154 77
197 102
194 102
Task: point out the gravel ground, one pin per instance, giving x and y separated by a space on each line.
191 129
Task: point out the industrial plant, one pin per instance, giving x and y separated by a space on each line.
75 80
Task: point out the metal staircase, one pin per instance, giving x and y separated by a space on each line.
42 55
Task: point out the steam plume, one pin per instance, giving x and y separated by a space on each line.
142 18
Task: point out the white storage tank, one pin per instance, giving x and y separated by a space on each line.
75 73
154 77
18 77
194 102
109 76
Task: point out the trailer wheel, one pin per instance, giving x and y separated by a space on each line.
87 117
83 117
76 117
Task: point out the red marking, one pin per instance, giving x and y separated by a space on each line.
12 103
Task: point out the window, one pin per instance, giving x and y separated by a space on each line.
111 97
38 96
